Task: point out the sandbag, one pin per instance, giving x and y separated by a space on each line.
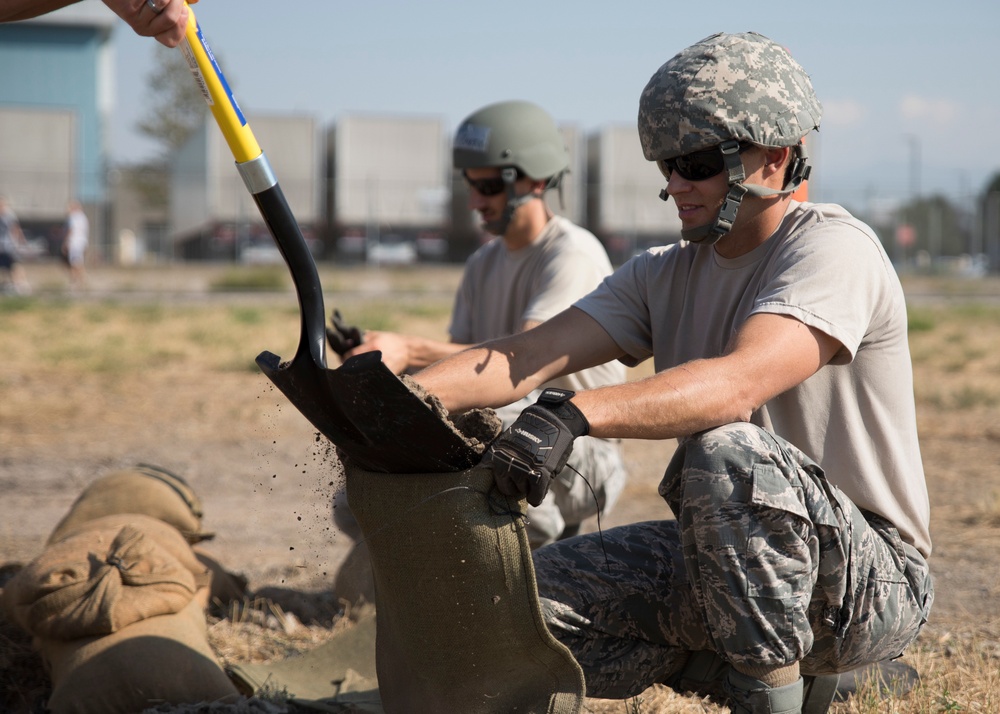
459 626
104 576
116 610
147 489
162 659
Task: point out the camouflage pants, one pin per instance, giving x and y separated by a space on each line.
590 483
766 563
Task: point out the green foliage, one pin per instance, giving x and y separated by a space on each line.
948 703
176 109
176 106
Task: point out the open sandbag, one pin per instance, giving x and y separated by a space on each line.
459 626
150 490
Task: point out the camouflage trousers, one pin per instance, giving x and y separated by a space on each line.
767 564
590 483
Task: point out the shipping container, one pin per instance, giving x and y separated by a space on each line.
623 205
212 215
387 186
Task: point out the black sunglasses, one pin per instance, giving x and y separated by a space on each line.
488 186
698 165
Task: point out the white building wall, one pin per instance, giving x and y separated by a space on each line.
38 167
629 187
390 170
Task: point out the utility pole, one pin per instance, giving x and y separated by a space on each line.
914 166
914 143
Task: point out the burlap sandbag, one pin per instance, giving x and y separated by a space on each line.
150 490
459 627
116 609
163 659
104 576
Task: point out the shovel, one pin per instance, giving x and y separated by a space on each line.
362 407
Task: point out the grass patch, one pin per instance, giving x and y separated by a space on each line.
247 315
251 279
920 321
16 303
123 338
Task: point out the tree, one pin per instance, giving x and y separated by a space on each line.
177 107
176 110
989 221
940 229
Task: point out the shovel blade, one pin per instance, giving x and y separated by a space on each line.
370 415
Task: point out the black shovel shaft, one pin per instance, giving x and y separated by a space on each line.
286 233
361 407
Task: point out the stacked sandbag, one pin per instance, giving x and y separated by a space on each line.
147 489
156 492
116 608
116 602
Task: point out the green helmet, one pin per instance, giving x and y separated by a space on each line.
741 87
516 133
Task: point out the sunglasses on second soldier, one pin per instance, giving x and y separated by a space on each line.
698 165
488 186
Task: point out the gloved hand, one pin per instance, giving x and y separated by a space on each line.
535 448
342 338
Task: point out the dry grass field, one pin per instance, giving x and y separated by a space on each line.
156 365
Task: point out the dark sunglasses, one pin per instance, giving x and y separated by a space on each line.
698 165
488 186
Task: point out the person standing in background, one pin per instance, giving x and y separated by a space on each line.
75 244
11 239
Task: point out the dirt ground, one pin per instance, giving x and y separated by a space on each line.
266 482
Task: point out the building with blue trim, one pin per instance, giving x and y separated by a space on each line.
56 98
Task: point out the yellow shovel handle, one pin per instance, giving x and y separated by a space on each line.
217 93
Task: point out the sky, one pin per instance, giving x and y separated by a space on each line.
910 90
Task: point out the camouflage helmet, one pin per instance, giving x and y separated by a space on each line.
514 133
728 86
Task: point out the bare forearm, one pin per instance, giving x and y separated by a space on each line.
677 402
423 352
489 375
770 354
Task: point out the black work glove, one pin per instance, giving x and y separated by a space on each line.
535 448
342 338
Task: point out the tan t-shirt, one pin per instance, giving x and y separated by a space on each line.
501 290
856 416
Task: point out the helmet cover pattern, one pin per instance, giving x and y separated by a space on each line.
728 86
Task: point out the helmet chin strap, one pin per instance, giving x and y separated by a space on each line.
710 233
499 226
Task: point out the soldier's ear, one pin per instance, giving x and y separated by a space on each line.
775 159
